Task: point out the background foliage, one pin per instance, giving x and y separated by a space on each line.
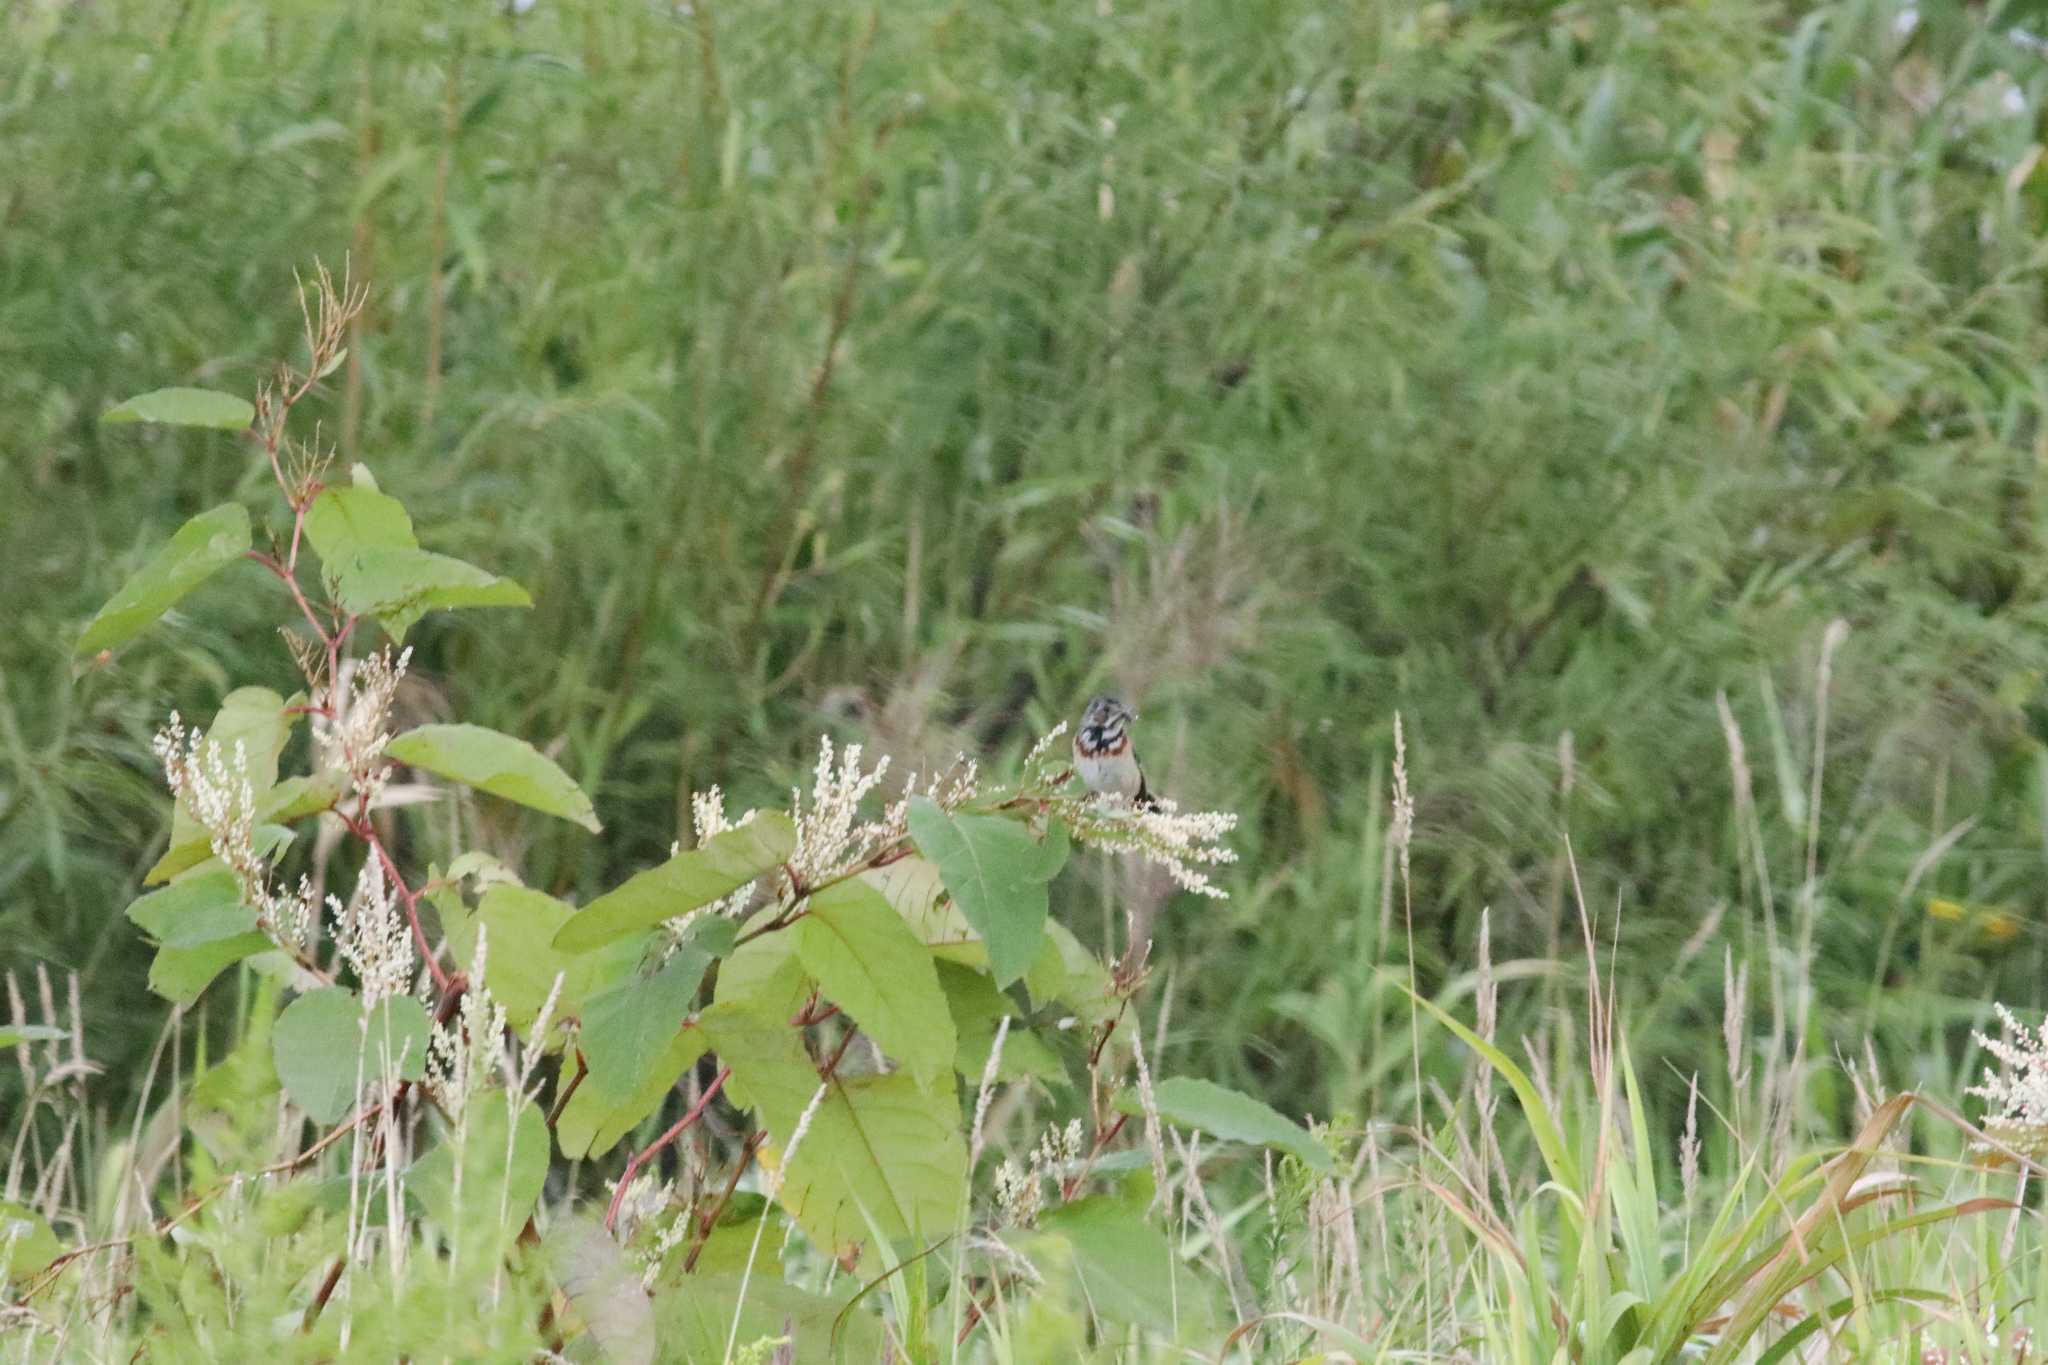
1543 372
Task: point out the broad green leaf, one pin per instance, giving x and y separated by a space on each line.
695 1314
398 584
181 975
27 1245
486 868
198 550
12 1035
913 887
503 1163
997 873
202 908
295 798
878 1148
591 1124
868 962
764 974
521 961
628 1028
328 1051
1067 973
259 721
498 764
344 520
692 878
976 1006
1126 1265
180 407
1190 1102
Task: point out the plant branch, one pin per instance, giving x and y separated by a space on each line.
652 1149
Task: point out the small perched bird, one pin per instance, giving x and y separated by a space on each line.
1105 756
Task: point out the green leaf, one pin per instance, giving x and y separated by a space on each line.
976 1006
867 961
628 1028
202 908
1067 973
997 873
1126 1265
178 407
692 878
764 973
181 975
498 764
12 1035
592 1123
914 888
344 520
503 1163
398 584
199 549
328 1051
27 1245
878 1148
521 961
1223 1113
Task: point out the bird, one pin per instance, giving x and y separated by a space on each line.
1104 755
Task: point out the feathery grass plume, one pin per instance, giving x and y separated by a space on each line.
985 1093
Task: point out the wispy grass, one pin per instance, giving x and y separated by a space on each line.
1545 373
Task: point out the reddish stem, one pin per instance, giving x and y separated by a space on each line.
712 1215
360 826
647 1154
569 1090
291 583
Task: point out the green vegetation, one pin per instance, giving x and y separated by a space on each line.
1641 401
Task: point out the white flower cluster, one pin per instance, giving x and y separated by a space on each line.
1020 1189
828 836
2020 1096
372 935
1182 842
707 817
215 789
466 1052
352 736
953 786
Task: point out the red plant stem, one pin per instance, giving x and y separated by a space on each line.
816 1012
975 1313
648 1153
1103 1137
711 1216
326 1292
360 826
569 1090
291 582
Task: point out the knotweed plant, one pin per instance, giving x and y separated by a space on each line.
786 1006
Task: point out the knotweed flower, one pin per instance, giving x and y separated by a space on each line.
2019 1096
